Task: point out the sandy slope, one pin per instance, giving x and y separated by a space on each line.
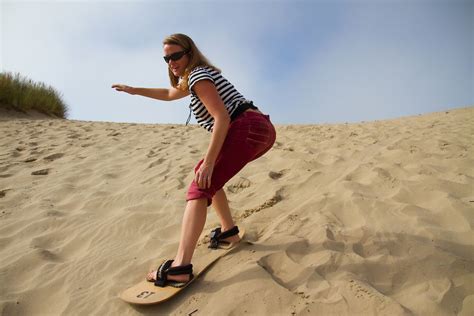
369 218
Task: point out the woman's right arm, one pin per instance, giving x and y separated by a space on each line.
154 93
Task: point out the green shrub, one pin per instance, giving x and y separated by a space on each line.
22 94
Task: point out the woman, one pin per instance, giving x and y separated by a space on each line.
240 133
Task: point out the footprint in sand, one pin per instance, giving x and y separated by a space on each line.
152 153
365 299
41 172
334 245
53 157
73 136
267 204
346 244
285 271
41 245
156 163
276 175
3 193
5 168
238 185
48 255
54 213
16 154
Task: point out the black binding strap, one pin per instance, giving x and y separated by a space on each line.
166 269
162 272
186 269
217 235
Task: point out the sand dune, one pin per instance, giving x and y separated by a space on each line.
371 218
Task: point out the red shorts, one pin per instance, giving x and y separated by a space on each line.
250 136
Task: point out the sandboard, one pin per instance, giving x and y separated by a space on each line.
146 293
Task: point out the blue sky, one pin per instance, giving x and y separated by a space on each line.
300 61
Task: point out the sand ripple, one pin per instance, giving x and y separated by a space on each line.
371 218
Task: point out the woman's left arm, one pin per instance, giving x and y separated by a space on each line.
208 95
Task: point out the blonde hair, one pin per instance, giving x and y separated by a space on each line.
196 58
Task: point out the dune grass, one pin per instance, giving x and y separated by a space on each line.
22 94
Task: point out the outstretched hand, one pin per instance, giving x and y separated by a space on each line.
124 88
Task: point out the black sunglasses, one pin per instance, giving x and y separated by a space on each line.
175 56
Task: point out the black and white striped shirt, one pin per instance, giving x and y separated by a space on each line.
229 95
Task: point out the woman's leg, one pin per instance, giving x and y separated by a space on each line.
221 205
191 228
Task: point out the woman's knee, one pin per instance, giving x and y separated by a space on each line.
195 193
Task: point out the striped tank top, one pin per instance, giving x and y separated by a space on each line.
229 95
